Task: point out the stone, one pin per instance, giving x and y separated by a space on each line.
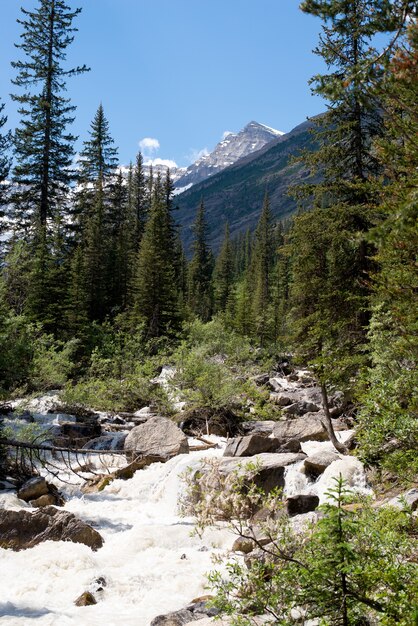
250 445
177 618
46 500
268 476
24 529
33 488
293 445
300 504
259 427
306 428
410 498
86 599
246 546
317 463
260 379
158 436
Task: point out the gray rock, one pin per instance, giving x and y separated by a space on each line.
178 618
300 504
306 428
248 545
250 445
259 427
410 498
23 529
317 463
270 472
260 379
33 489
159 436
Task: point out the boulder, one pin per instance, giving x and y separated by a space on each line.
250 445
300 504
246 546
306 428
317 463
86 599
178 618
47 499
159 437
261 379
258 427
409 498
33 488
268 475
23 529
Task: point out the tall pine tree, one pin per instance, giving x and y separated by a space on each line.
43 147
98 161
200 291
156 303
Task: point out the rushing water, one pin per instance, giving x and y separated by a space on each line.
150 563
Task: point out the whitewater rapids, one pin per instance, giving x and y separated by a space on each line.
149 564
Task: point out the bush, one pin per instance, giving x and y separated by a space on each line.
110 394
204 382
353 566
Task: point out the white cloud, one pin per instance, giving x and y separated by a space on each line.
149 144
226 133
166 162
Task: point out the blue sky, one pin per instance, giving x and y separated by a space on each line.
182 72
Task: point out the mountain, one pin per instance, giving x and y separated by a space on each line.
233 147
235 194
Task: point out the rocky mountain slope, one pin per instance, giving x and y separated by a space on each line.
234 146
236 193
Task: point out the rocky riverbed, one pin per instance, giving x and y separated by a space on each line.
149 564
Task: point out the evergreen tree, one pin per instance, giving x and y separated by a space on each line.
330 288
98 161
223 275
43 148
389 421
138 199
200 292
262 262
156 293
5 142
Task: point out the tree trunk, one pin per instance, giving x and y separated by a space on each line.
327 424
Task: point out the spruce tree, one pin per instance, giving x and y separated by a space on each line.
223 274
262 263
5 143
43 147
330 254
200 291
388 421
98 161
156 304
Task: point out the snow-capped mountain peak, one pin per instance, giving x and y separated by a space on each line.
231 148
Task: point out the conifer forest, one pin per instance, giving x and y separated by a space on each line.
285 351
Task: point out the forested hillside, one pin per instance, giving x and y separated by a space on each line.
233 195
303 254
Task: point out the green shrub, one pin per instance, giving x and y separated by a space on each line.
204 382
352 567
111 394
